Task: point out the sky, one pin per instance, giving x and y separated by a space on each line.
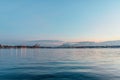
67 20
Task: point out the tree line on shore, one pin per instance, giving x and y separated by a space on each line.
19 46
38 46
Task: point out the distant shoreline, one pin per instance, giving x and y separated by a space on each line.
66 47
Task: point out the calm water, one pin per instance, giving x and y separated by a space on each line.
59 64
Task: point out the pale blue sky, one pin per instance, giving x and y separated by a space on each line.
69 20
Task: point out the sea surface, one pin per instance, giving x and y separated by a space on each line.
60 64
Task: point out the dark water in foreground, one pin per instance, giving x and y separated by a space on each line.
59 64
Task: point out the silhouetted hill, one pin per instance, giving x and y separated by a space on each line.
57 43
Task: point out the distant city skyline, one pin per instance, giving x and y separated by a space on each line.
66 20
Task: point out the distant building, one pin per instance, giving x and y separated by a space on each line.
36 46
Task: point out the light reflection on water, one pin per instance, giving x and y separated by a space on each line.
59 64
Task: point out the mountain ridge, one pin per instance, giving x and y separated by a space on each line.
55 43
